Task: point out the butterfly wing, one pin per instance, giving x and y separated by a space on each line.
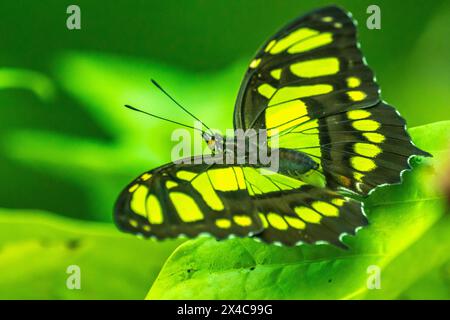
222 200
310 87
293 211
187 199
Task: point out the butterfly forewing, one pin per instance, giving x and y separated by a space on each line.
310 87
312 65
183 199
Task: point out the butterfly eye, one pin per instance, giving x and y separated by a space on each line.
211 144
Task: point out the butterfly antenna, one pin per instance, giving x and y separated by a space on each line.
178 104
162 118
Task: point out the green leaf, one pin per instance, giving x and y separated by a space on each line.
434 285
408 235
36 82
36 249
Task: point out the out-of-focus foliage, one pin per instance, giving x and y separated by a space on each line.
434 285
36 248
138 143
68 146
62 125
408 236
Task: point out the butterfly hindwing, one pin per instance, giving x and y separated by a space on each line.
310 87
224 200
309 215
294 212
366 148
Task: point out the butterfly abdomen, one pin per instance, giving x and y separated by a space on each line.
290 162
295 163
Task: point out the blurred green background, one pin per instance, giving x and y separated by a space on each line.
67 145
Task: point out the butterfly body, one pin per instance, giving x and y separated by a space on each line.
251 149
295 163
311 93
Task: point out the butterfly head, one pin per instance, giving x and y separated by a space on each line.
214 141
